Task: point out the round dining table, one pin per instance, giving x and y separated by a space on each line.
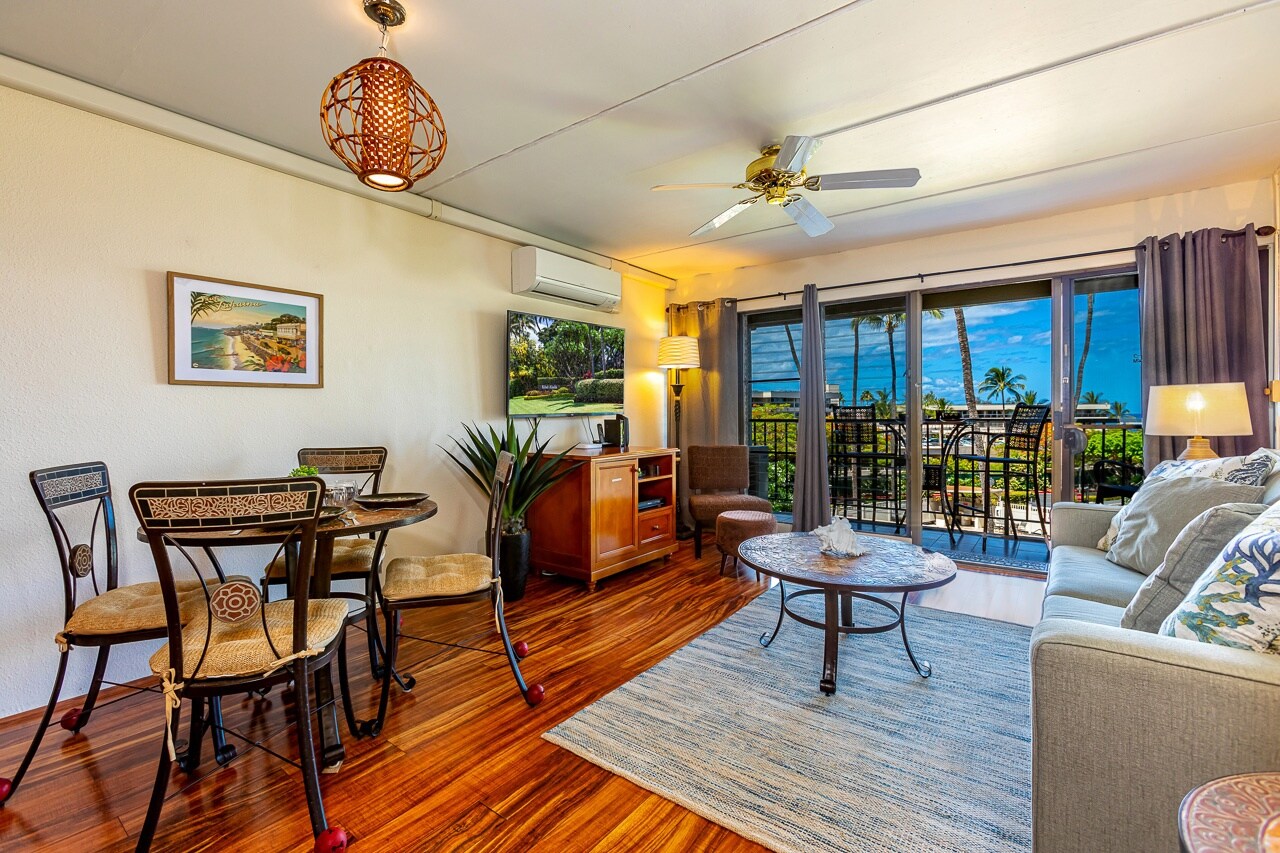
359 521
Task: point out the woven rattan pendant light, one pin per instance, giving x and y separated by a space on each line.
382 125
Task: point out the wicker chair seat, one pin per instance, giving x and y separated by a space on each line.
241 649
705 508
125 609
352 556
436 577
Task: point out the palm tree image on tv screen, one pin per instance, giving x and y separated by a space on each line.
562 367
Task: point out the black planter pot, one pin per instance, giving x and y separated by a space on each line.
514 564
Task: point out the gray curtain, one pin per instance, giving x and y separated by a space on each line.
813 494
1202 309
709 411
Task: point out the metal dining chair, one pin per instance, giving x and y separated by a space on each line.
353 557
97 611
232 641
414 582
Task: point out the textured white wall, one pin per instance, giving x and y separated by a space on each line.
92 214
1099 228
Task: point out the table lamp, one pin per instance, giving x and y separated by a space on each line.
1215 408
677 353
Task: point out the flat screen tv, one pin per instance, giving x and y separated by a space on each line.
562 368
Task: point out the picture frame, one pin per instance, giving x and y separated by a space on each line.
224 332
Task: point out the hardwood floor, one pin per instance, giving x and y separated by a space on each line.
461 764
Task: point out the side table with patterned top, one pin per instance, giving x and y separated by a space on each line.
1234 814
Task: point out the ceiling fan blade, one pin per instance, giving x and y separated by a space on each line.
665 187
726 216
807 216
795 152
864 180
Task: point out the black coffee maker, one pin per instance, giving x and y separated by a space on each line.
616 432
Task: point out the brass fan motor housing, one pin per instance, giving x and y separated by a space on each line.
763 178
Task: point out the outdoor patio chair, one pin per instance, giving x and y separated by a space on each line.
1014 452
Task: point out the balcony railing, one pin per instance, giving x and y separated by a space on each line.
868 471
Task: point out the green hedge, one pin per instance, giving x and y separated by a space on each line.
598 391
518 386
611 373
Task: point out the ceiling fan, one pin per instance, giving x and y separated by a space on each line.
780 169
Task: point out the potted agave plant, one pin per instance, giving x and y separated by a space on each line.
535 470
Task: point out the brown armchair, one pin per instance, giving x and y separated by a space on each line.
718 476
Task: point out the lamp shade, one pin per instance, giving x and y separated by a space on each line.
677 352
1216 408
383 125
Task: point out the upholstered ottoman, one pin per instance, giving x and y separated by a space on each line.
737 526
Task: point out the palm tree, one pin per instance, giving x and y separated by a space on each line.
886 409
1002 381
526 325
1120 411
856 324
791 342
1084 349
966 363
890 323
1092 398
1033 398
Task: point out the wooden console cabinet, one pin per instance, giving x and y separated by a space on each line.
590 525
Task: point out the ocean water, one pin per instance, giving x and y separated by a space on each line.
209 348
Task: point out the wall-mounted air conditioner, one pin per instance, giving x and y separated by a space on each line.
537 272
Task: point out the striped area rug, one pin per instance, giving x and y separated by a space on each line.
741 734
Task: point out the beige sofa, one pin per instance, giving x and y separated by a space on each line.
1124 723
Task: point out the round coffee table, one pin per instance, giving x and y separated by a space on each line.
889 566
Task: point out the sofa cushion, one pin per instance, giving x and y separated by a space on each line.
1080 610
1086 573
1189 555
1236 602
1251 470
1160 511
1259 468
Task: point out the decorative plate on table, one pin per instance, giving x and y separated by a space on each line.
390 500
329 513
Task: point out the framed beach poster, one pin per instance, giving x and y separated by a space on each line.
231 333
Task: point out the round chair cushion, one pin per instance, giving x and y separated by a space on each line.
737 526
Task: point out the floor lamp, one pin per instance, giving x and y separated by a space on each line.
677 353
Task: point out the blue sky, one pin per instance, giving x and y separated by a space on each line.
1006 334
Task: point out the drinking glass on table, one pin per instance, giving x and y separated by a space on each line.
343 495
350 489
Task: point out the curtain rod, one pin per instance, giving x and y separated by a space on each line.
1264 231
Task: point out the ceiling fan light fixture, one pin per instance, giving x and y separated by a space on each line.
378 120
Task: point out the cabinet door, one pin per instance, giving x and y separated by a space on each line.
615 509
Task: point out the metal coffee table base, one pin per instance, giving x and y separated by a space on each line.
838 619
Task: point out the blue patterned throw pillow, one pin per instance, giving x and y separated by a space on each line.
1236 602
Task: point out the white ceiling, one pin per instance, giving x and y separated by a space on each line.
562 115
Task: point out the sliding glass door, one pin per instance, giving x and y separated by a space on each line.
957 417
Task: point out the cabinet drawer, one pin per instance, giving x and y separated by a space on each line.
655 525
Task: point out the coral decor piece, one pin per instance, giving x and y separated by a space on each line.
838 539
